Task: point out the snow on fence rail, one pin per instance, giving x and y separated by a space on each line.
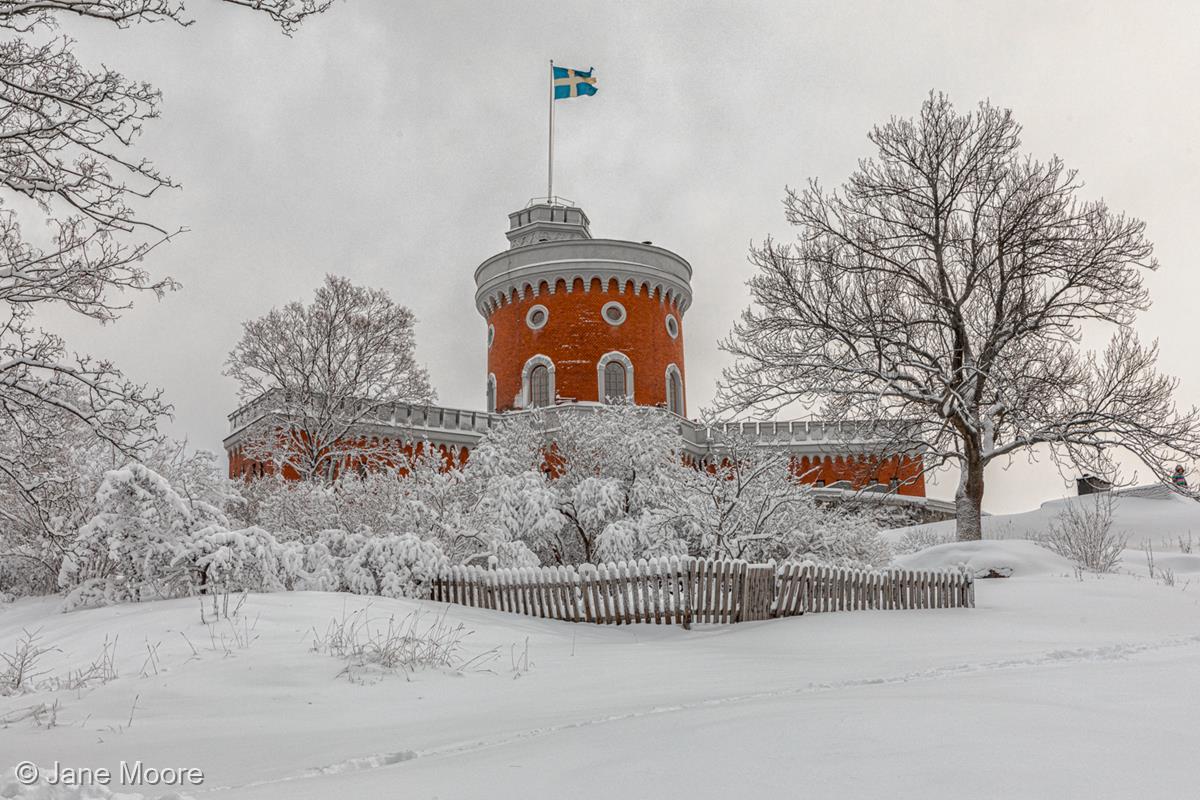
686 590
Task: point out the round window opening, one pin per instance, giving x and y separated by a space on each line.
537 317
672 326
613 313
491 334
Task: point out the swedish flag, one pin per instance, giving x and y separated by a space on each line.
573 82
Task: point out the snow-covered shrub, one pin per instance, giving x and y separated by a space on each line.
94 593
508 554
286 508
845 537
308 567
916 539
503 515
28 568
41 522
394 565
650 535
148 528
1083 532
339 543
139 531
51 463
250 559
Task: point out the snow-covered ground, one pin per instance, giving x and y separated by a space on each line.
1160 525
1051 687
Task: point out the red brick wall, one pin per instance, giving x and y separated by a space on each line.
240 466
576 336
863 471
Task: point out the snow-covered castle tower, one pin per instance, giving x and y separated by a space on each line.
571 318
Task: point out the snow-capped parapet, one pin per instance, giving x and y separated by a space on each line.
1007 558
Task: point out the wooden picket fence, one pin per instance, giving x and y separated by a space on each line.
686 590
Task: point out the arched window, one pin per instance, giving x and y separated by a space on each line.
539 386
491 393
614 381
614 377
674 391
537 383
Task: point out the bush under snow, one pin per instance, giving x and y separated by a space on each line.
594 484
1084 533
395 565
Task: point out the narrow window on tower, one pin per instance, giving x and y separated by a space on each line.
674 391
614 381
539 386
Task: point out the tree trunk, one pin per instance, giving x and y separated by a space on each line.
968 500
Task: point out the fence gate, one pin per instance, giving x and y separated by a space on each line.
758 593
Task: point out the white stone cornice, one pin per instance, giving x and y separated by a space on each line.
519 273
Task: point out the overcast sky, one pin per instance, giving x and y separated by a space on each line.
388 140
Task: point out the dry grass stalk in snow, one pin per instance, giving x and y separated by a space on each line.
406 644
1084 533
20 671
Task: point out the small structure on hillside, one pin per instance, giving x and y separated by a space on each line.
1090 484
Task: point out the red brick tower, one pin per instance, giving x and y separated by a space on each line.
576 319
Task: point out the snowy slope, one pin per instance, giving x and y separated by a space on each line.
1161 518
1153 517
990 559
1052 687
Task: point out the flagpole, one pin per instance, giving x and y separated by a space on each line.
550 170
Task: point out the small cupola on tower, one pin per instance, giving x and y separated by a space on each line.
546 222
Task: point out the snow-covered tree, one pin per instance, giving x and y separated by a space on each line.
746 501
942 293
605 464
586 483
40 522
72 237
321 371
41 512
141 527
743 502
474 513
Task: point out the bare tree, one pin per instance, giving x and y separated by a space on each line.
25 15
323 371
68 163
64 130
943 291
